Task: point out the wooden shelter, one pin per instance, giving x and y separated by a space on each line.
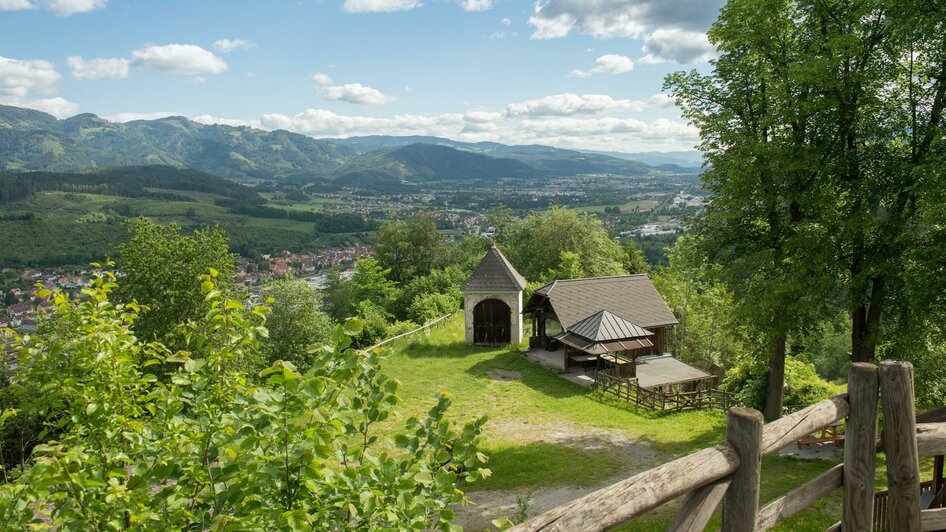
560 305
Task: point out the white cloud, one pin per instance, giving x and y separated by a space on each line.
65 8
235 122
322 78
16 5
323 123
379 6
660 101
132 116
677 46
19 78
356 93
482 117
613 64
476 5
62 8
58 107
576 73
620 18
498 35
21 81
98 68
229 45
506 21
179 59
570 104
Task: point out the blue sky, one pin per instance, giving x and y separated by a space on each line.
570 73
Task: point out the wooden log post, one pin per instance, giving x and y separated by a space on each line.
860 442
698 507
741 503
903 462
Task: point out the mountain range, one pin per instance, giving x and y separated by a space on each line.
33 140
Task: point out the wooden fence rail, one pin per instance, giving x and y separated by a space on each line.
729 473
628 389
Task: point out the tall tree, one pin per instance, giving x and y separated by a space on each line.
296 324
410 248
162 270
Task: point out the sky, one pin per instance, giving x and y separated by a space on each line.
584 74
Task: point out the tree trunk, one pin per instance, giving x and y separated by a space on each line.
775 394
865 324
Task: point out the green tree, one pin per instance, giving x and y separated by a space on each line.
208 450
162 271
634 260
410 248
296 324
535 244
372 283
338 295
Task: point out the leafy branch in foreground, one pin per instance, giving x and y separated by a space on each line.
209 449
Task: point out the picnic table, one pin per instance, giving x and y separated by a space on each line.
829 434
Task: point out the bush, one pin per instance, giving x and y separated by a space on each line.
428 307
206 450
749 380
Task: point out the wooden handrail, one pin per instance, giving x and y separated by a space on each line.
800 498
631 497
931 439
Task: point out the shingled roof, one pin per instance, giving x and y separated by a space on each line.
630 297
494 274
603 326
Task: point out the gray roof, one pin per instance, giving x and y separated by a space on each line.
630 297
494 273
658 370
603 326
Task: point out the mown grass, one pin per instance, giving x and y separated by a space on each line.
439 361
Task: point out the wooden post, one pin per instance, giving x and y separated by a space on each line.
860 443
938 475
741 504
698 507
903 462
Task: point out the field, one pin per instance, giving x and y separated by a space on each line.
550 440
71 228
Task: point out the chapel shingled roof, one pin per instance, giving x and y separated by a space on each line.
494 273
630 297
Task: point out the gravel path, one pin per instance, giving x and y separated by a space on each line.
492 504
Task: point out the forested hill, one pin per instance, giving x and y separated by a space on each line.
31 140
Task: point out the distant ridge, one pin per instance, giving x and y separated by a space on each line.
35 141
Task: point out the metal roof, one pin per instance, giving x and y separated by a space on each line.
495 274
603 326
630 297
600 348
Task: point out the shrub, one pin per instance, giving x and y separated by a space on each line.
749 379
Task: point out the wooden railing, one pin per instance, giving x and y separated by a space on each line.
880 504
730 472
609 382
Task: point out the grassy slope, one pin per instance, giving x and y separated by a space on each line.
441 362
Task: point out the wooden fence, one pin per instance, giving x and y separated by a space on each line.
423 327
629 390
730 472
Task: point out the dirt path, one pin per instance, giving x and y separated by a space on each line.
492 504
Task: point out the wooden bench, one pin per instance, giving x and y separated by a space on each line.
829 434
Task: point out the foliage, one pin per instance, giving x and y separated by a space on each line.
162 271
410 248
446 282
297 325
710 334
374 321
748 380
536 244
634 260
372 283
208 450
338 295
428 307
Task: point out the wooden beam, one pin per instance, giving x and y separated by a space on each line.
786 430
615 504
698 507
931 439
741 503
800 498
903 461
860 443
933 519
